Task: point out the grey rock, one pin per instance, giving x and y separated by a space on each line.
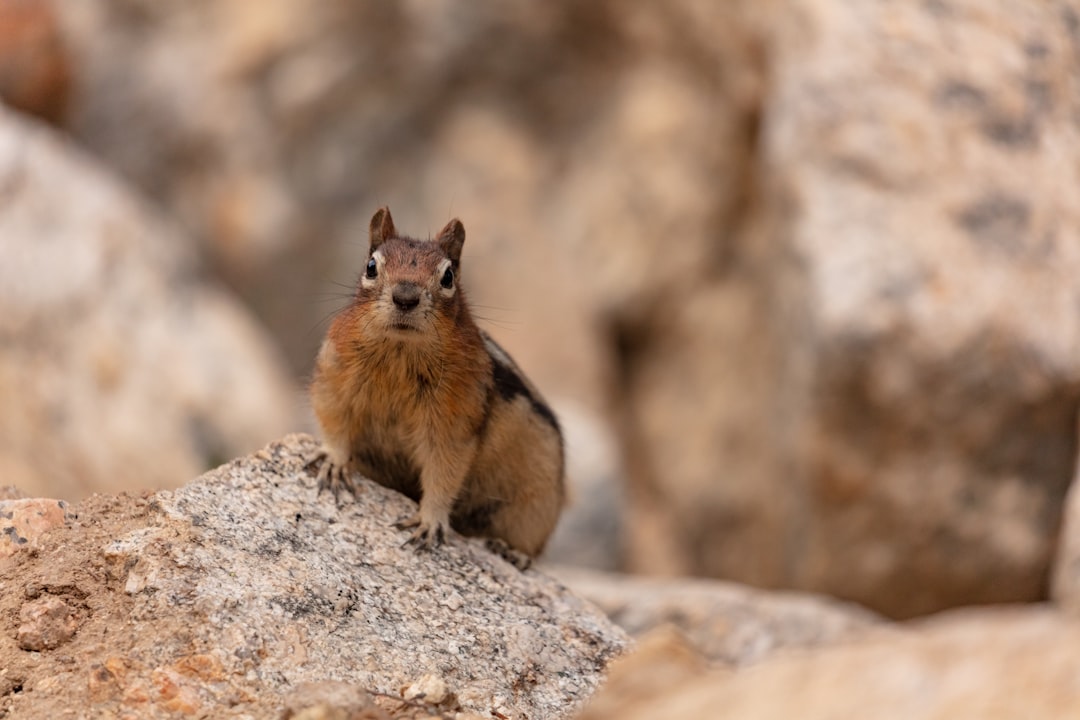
246 584
1001 663
119 367
817 257
727 623
589 532
1065 578
874 395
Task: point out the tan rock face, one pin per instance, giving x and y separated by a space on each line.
885 411
997 664
247 591
35 71
817 259
1065 580
723 622
118 367
942 259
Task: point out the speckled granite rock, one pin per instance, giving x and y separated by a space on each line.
23 520
223 597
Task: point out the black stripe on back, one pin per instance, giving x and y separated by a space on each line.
509 385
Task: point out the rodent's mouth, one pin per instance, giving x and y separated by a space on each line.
404 327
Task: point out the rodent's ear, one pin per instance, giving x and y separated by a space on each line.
381 228
451 238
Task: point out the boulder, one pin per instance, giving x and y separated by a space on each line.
119 367
274 131
995 664
589 532
816 259
723 622
35 70
875 396
247 593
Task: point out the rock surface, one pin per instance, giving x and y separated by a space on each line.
589 533
1065 580
725 623
877 401
24 520
994 664
119 368
225 596
35 71
819 259
274 131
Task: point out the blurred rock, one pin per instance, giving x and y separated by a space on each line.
992 664
724 622
35 71
329 700
877 398
273 131
589 533
119 369
662 662
1065 580
817 259
247 590
10 492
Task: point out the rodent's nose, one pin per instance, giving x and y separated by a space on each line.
406 296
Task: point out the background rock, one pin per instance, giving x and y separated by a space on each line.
274 132
589 533
994 664
724 622
223 597
1065 580
879 403
815 261
119 368
35 71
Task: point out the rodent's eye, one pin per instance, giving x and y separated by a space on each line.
447 279
372 269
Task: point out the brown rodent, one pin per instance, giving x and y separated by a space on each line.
409 392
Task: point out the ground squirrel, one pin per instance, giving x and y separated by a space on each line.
409 392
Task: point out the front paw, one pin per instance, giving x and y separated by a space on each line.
331 476
428 534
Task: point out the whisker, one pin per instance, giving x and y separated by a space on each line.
322 321
508 327
327 298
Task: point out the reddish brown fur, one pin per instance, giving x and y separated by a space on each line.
401 393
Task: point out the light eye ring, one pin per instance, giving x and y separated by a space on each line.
372 269
447 279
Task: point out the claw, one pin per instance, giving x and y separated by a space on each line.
409 522
329 476
426 536
515 557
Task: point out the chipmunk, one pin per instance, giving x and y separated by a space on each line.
409 392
